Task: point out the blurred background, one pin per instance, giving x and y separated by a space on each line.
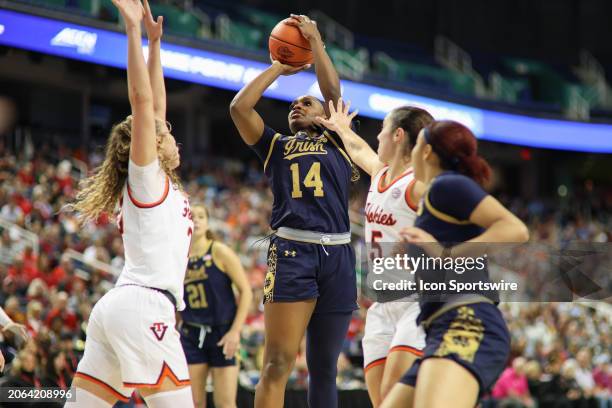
529 77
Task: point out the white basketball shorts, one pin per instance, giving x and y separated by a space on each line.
390 327
132 342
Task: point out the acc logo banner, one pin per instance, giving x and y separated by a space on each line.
83 41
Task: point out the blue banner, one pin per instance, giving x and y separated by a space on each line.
223 71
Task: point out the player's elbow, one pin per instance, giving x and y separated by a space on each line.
523 233
140 98
247 292
236 107
333 92
520 231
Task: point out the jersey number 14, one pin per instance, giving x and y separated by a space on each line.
312 180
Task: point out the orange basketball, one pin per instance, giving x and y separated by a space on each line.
288 45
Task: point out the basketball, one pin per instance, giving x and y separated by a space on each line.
287 45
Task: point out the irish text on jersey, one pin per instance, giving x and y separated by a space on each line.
296 148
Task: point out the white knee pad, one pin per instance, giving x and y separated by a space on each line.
85 399
171 399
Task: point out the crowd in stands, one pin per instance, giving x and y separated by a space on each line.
561 351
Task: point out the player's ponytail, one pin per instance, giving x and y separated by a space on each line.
457 149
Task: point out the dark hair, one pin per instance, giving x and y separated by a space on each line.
50 366
457 148
412 120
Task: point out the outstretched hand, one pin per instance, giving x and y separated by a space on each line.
339 116
288 69
154 28
131 10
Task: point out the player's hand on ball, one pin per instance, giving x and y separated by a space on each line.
230 343
131 10
339 116
288 69
154 28
17 329
307 27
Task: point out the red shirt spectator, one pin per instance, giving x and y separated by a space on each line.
24 204
60 309
58 274
25 174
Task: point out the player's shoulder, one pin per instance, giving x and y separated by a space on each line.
220 250
453 180
271 132
450 185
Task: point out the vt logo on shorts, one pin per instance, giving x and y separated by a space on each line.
159 329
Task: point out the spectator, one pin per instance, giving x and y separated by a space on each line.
23 371
57 374
511 388
60 310
584 373
602 375
13 310
34 321
59 273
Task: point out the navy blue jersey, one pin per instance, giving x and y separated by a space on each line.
209 297
310 179
444 212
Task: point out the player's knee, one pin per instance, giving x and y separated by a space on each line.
278 366
385 388
199 401
222 400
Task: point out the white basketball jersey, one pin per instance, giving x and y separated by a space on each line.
387 209
156 238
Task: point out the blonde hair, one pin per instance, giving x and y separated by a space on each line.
100 192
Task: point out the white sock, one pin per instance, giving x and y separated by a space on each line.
85 399
170 399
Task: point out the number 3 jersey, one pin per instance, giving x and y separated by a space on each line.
388 210
310 179
156 238
208 292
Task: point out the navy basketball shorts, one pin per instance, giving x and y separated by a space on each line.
299 271
475 336
200 345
